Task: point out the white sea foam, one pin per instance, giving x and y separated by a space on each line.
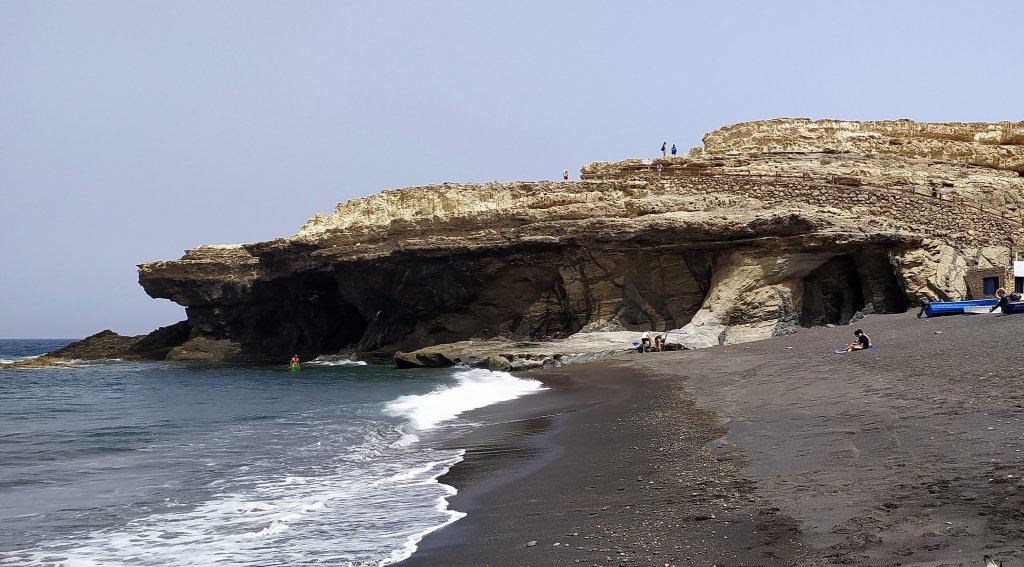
285 520
415 472
367 503
18 359
405 440
473 389
334 360
410 545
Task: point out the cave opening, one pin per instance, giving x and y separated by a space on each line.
303 315
832 293
849 283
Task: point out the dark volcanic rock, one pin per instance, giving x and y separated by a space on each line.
773 225
107 344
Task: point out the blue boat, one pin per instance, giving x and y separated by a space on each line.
937 308
1014 307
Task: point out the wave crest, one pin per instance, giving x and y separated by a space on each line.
475 388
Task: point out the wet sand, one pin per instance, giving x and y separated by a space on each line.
778 452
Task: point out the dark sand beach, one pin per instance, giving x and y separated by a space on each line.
777 452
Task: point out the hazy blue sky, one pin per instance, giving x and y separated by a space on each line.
130 131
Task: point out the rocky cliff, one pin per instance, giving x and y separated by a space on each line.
770 226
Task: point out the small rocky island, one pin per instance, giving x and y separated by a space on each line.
770 226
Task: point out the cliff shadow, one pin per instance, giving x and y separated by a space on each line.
411 302
302 315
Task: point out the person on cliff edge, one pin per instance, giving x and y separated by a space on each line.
565 175
664 149
673 149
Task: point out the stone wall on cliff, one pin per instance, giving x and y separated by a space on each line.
773 225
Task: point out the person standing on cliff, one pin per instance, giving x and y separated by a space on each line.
673 149
565 175
664 149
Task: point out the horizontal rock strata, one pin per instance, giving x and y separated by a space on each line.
771 226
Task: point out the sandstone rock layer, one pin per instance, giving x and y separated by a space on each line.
771 226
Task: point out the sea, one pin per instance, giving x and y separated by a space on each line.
119 463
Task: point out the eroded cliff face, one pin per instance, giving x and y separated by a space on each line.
773 225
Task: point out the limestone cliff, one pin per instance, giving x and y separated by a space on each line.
771 226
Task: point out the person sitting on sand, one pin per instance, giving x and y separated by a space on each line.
862 342
645 342
659 342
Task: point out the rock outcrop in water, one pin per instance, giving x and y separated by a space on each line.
770 226
107 344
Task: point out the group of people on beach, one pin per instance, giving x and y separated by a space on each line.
647 345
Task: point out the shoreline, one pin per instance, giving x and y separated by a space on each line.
774 452
584 490
521 440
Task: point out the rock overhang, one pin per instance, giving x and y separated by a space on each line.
590 251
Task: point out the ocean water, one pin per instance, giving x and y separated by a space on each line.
137 464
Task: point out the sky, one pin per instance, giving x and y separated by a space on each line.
131 131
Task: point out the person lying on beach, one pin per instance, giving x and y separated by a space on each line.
863 342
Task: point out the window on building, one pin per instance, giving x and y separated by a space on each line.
989 285
1018 285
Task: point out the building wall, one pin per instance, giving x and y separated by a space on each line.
975 281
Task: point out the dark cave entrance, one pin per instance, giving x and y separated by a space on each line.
832 293
846 284
304 314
